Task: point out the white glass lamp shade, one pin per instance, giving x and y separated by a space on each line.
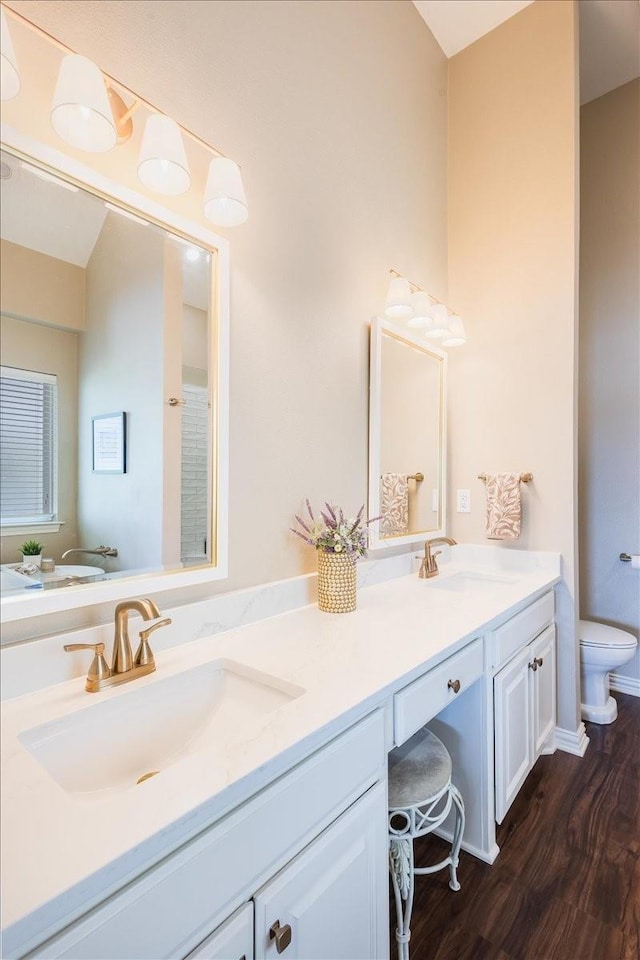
225 203
162 165
456 336
81 113
440 322
421 304
9 76
398 304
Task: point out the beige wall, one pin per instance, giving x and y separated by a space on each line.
33 346
609 435
337 113
512 265
121 368
41 288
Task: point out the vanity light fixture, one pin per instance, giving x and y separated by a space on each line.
398 305
420 309
9 75
224 199
421 304
163 166
456 336
440 325
90 114
81 113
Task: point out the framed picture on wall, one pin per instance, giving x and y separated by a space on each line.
110 443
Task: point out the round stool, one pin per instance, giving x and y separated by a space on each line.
421 796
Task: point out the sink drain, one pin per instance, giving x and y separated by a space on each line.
146 776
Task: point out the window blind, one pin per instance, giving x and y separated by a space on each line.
28 426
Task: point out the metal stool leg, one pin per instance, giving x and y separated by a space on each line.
402 878
457 837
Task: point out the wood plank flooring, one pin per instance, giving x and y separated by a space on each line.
566 885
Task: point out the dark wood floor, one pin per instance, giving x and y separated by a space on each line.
566 885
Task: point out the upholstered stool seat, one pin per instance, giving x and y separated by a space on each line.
421 796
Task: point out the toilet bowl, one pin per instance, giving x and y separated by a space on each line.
602 649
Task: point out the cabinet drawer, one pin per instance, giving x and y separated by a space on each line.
522 628
424 698
175 905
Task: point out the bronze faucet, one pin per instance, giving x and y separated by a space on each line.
429 565
124 666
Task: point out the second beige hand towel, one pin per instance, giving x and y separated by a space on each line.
504 507
394 504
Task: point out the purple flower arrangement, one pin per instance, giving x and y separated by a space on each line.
334 533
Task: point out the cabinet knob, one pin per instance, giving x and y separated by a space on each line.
454 685
281 935
534 666
539 661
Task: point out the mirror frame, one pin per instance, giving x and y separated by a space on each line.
13 608
379 328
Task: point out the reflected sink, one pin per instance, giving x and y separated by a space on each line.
467 581
63 571
114 744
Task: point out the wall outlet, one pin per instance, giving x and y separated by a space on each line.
463 500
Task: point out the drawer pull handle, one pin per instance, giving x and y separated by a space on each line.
539 661
534 666
454 685
281 935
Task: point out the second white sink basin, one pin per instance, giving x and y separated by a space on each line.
465 581
114 744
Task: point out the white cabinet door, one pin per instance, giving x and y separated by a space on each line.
513 733
544 688
233 940
332 899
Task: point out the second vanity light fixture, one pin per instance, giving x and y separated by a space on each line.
89 114
419 309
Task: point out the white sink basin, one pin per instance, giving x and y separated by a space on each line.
111 745
469 581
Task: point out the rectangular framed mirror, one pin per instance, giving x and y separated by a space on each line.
407 436
112 307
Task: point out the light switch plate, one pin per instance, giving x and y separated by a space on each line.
463 500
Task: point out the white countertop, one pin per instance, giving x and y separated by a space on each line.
62 853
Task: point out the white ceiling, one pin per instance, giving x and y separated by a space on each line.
609 35
457 23
609 46
42 216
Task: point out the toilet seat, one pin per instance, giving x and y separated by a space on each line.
602 635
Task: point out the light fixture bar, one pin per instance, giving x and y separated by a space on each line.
115 84
415 287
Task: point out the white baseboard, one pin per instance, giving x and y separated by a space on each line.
487 856
572 741
622 684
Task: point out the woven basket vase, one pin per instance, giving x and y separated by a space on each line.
336 582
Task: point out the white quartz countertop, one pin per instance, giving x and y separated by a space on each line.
62 852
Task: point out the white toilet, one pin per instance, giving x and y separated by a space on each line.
602 650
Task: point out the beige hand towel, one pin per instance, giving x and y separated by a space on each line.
504 508
394 504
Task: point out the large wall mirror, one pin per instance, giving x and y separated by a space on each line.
407 430
114 392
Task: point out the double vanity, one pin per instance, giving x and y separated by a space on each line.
233 803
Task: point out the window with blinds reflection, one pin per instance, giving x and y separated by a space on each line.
28 429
